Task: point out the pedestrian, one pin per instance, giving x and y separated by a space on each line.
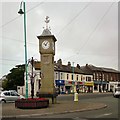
78 90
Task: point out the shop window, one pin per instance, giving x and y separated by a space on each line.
95 87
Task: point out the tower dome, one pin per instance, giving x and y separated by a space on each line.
46 32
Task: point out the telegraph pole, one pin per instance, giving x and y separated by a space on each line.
32 80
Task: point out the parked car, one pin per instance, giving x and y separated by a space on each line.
9 96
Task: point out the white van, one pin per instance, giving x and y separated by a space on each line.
116 92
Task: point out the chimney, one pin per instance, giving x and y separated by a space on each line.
59 62
78 66
69 64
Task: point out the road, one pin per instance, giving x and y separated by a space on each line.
110 112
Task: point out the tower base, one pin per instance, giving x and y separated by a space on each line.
46 95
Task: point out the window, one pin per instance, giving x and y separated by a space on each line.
77 77
72 76
97 76
67 76
61 76
93 76
7 93
81 78
56 75
89 78
107 77
14 94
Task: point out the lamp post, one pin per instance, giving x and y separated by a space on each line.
26 71
75 93
73 71
73 78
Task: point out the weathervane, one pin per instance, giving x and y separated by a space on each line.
47 20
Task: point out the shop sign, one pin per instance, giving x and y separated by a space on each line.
100 82
69 83
60 82
89 83
75 83
81 83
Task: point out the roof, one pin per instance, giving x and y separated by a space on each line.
62 68
94 68
86 71
46 32
110 70
69 69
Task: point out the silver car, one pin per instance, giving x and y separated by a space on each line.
9 96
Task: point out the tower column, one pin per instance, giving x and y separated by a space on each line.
47 52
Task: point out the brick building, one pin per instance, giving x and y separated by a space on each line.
104 78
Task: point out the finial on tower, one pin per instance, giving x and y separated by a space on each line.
47 20
46 30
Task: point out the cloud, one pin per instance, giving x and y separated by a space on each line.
85 32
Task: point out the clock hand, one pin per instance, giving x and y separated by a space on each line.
45 44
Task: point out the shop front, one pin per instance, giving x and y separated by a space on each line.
69 87
89 87
60 84
100 86
80 86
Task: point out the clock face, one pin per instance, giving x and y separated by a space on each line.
45 44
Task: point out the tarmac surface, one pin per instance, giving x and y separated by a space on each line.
61 107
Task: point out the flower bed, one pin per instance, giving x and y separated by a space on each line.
32 103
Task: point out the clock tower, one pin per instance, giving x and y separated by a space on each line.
47 52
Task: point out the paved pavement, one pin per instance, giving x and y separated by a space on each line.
9 110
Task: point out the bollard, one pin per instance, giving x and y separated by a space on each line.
75 97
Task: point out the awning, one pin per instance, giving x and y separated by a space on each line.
100 82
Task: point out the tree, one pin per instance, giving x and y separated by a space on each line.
15 78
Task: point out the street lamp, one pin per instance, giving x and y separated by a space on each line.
73 78
26 71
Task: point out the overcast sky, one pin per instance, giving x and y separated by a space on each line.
86 32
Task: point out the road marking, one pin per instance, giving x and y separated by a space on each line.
77 118
103 115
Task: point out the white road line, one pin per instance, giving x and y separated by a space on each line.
103 115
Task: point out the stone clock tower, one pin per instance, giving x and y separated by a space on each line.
47 52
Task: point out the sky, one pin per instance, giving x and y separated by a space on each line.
86 32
